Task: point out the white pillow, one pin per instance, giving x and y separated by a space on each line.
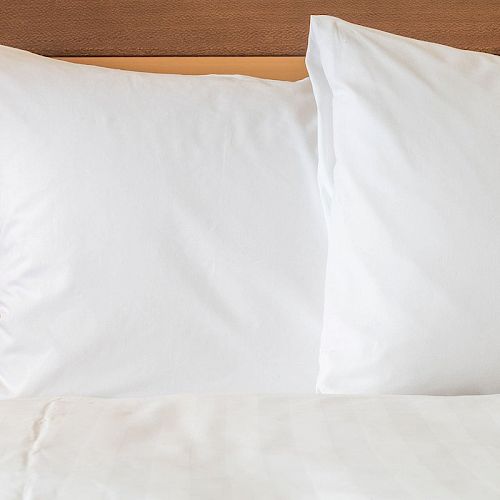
159 233
410 177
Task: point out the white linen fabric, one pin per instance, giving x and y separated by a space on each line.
251 447
159 233
409 139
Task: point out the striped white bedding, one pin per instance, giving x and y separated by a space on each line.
251 447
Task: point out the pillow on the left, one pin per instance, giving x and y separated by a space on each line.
158 233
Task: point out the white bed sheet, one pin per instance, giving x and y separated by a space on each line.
251 447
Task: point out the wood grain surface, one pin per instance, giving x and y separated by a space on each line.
230 27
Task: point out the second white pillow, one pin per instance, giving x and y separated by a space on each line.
410 176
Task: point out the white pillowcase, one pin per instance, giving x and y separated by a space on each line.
410 178
159 233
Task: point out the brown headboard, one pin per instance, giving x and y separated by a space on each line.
229 27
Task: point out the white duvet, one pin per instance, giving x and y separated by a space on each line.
251 447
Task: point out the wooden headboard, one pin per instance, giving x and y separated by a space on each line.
257 37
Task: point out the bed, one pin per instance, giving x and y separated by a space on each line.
247 446
251 447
